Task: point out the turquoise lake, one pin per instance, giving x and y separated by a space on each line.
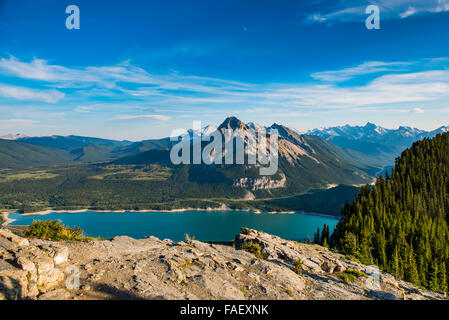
204 225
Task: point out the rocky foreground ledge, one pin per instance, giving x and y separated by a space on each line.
125 268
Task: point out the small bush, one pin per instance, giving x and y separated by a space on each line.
297 266
351 275
255 249
186 264
189 239
53 230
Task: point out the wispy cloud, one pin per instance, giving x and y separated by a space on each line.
389 84
363 69
111 78
142 116
17 123
354 10
409 12
21 93
387 89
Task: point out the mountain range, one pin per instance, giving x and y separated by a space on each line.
374 145
305 162
350 155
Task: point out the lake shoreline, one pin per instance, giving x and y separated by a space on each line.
6 219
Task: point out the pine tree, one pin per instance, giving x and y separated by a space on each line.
442 277
324 239
434 283
316 238
349 245
395 264
412 269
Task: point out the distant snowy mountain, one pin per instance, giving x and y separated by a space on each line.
373 133
255 126
377 146
13 136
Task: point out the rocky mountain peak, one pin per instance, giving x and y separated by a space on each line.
282 130
233 123
370 125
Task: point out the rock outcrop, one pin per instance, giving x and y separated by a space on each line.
256 266
29 270
263 183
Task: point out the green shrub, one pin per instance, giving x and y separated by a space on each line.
243 289
297 266
53 230
186 264
351 275
255 249
289 292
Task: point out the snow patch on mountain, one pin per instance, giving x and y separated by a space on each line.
13 136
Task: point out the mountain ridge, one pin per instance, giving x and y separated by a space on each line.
374 145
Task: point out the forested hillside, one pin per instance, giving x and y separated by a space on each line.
401 223
14 155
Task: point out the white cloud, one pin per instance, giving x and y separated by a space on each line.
423 87
417 110
317 17
21 93
109 78
409 12
363 69
142 116
175 93
353 10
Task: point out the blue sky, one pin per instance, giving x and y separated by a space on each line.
139 69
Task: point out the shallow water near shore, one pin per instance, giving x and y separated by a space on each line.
204 225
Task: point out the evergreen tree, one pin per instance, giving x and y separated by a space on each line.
316 238
434 283
324 239
412 269
442 277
